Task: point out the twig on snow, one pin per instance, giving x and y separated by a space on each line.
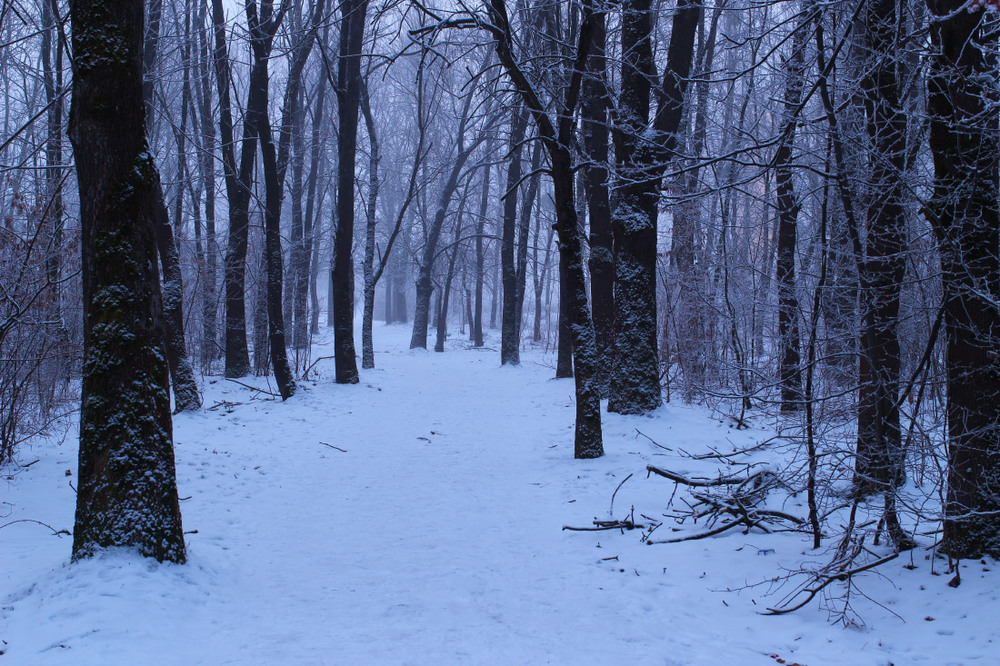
334 447
55 532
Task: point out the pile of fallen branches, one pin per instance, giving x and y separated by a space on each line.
725 503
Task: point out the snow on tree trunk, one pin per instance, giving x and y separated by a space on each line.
127 492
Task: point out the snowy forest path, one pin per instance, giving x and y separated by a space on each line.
437 510
416 518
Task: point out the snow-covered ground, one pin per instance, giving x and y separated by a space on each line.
417 518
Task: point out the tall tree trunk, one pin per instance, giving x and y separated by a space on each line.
510 337
127 493
352 28
564 332
186 394
688 260
209 350
442 319
185 388
523 231
238 190
368 316
296 239
879 461
261 353
52 72
789 356
594 104
262 31
541 278
635 379
963 107
304 265
477 316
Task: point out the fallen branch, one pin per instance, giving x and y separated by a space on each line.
700 482
825 580
602 525
701 535
652 441
55 532
223 403
252 388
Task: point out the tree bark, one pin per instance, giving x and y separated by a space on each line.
127 493
352 29
594 105
963 108
635 379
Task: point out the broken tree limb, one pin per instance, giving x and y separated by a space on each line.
703 483
823 580
602 525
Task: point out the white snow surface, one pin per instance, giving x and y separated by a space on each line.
436 537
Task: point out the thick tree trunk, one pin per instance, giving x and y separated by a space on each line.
635 379
348 100
963 106
594 104
127 492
